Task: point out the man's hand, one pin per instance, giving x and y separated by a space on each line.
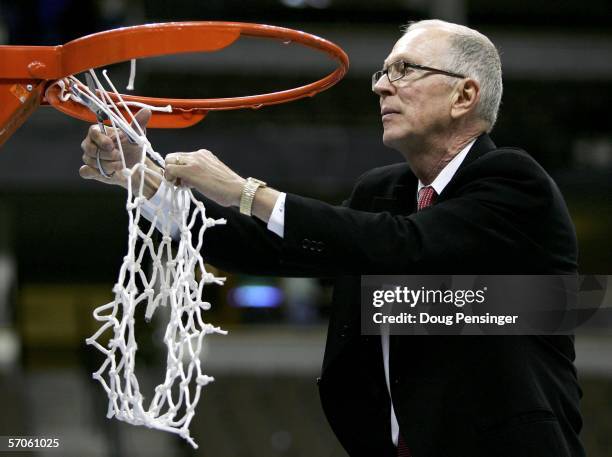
106 146
215 180
205 172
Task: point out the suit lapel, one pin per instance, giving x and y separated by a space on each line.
483 145
399 197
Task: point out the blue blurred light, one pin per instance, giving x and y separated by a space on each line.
256 296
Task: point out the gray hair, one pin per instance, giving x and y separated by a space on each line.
474 55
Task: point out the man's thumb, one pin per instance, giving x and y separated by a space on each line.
143 117
88 172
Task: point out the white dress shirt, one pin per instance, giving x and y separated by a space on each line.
276 224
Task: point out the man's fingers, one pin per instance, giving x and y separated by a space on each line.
176 174
178 158
172 172
91 150
176 170
100 139
108 166
96 143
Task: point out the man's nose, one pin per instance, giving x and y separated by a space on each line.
383 86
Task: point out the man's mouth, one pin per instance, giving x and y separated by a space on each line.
388 112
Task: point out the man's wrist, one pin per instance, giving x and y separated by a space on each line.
264 202
151 185
152 178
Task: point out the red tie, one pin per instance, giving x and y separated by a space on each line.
402 449
427 196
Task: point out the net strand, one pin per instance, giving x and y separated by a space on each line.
130 85
176 280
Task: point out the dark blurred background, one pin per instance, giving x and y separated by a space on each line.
62 239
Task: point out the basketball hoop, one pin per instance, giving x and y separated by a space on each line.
34 75
28 73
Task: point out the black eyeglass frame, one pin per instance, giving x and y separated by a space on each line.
379 74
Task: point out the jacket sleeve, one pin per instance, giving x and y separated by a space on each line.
245 245
496 214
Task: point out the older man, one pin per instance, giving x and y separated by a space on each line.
458 204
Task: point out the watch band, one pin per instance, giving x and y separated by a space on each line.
248 194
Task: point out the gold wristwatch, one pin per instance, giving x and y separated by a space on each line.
248 194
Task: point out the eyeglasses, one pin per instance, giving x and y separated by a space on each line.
397 70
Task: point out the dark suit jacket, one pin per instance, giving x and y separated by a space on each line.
454 396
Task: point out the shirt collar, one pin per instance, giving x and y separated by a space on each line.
447 173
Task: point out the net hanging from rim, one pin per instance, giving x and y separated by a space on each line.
175 279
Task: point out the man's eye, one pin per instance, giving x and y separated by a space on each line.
394 71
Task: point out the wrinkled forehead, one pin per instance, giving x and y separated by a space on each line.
422 45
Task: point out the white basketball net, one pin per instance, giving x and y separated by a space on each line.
174 279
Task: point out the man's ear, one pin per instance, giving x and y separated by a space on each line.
465 97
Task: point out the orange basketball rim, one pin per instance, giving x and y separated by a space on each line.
27 73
